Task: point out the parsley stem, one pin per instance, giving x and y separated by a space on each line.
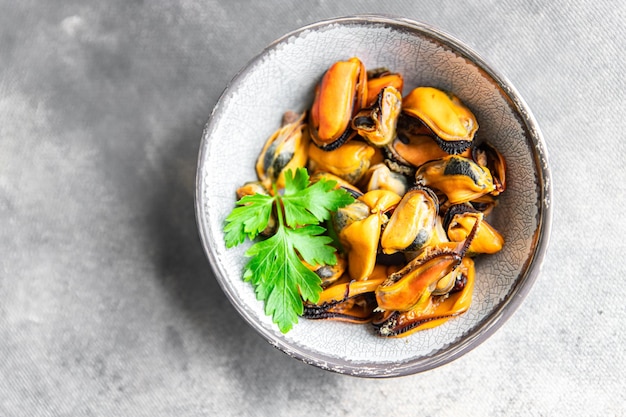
279 206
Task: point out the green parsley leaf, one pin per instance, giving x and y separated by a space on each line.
275 267
311 204
280 277
248 219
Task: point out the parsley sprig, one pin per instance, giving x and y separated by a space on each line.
275 267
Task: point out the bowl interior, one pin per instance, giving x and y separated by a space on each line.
283 78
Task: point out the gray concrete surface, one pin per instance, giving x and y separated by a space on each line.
108 306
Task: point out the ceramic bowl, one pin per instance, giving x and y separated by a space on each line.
282 77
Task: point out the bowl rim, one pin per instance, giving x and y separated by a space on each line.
524 282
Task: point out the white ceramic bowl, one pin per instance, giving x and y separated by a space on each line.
282 78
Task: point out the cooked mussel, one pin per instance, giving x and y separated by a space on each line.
412 223
423 186
380 201
358 232
435 311
377 124
251 188
485 204
379 78
452 123
347 287
488 156
413 284
329 274
381 177
286 149
348 300
411 151
349 162
360 237
357 309
459 222
459 178
340 94
345 216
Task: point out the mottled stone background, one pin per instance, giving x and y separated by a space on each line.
108 306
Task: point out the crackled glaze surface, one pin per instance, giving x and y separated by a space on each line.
282 78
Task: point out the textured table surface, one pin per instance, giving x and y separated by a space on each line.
108 305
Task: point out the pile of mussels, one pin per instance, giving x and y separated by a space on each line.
422 186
